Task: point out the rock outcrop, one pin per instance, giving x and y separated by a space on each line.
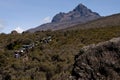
98 62
80 13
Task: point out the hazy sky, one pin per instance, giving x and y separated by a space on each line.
25 14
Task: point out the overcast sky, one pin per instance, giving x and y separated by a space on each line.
25 14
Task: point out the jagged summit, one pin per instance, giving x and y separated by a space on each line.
80 7
83 10
80 12
78 15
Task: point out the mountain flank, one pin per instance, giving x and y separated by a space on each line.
79 15
108 21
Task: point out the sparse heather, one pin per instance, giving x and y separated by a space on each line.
47 61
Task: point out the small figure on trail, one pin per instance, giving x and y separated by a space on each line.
49 38
17 55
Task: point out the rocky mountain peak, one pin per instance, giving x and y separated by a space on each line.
80 7
58 16
77 13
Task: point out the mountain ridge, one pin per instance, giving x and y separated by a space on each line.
80 14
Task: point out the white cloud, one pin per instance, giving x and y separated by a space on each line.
46 19
19 30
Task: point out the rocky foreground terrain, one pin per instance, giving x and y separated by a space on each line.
98 62
54 60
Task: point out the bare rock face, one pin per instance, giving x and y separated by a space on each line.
98 62
79 15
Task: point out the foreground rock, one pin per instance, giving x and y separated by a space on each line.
98 62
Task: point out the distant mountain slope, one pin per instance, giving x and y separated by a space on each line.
109 21
80 14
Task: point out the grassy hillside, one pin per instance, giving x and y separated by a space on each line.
47 61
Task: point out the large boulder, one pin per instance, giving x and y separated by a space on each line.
98 62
